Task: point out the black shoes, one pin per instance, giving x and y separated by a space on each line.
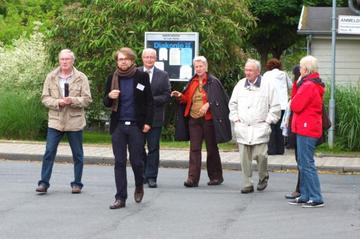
262 184
41 188
292 195
297 201
312 204
139 193
190 184
75 189
215 182
248 189
117 204
152 183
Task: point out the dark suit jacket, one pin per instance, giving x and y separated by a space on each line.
143 101
161 89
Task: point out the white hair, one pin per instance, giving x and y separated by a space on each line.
149 50
201 59
255 62
310 63
67 51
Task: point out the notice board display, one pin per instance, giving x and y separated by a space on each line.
175 51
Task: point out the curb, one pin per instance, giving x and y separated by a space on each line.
176 163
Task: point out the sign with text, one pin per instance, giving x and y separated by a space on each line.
175 51
349 24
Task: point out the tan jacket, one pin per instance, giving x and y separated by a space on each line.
72 117
253 110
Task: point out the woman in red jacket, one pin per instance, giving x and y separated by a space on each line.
306 106
206 107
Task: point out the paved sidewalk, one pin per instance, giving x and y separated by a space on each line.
20 150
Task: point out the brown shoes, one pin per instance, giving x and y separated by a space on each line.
139 193
75 189
248 189
215 182
190 184
41 188
117 204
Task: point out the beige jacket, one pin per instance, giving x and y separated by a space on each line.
253 109
72 117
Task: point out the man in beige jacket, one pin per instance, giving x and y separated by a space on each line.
253 106
66 93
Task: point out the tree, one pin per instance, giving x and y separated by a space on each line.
17 17
276 26
277 22
95 30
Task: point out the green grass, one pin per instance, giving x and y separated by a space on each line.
92 137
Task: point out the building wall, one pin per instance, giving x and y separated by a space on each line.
347 59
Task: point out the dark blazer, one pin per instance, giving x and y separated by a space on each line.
143 101
161 89
218 100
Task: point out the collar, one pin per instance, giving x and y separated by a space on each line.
257 82
151 70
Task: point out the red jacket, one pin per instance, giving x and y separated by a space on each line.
189 93
306 106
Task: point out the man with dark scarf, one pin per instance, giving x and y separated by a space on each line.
128 94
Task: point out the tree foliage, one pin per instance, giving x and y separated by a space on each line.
17 17
95 30
277 22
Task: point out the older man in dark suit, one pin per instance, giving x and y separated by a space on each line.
160 88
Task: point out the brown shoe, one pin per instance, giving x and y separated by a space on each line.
41 188
117 204
214 182
75 189
248 189
139 193
190 184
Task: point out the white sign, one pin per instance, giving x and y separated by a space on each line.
175 52
349 24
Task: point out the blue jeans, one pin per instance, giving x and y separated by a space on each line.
152 158
52 141
309 179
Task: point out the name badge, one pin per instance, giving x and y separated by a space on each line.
140 87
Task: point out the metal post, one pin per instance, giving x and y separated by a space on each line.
332 93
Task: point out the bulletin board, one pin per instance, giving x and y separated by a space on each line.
175 52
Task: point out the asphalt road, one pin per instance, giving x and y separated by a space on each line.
170 211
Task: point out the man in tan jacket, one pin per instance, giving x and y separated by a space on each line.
66 93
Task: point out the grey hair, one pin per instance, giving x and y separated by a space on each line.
150 50
310 63
255 62
201 59
68 51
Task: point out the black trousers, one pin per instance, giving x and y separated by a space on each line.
201 129
276 143
123 138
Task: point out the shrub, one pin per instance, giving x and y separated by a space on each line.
348 117
24 65
22 116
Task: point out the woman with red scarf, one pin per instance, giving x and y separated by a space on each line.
206 108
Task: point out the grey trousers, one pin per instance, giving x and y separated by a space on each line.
248 153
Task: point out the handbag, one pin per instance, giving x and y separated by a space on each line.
326 124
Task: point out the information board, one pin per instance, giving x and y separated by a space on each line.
175 52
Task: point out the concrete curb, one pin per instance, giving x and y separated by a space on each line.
176 163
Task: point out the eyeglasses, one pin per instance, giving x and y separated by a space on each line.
123 59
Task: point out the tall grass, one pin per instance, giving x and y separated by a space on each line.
22 115
348 117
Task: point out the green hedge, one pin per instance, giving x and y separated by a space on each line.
22 116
